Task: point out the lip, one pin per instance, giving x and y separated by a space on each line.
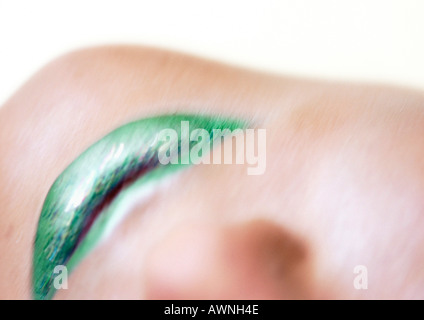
91 195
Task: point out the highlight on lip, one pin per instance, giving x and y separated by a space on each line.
86 199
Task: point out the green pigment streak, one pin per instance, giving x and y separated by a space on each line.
127 152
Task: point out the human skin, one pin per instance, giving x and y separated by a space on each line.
343 186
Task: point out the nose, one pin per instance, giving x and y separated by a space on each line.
250 260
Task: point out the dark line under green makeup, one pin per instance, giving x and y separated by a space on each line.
87 197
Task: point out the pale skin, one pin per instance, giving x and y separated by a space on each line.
343 186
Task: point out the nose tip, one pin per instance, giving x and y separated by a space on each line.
252 260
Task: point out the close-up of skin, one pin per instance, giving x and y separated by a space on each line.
343 185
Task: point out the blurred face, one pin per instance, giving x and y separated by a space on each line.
336 214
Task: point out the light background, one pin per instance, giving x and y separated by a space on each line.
365 40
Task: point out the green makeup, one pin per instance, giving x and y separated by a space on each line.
88 198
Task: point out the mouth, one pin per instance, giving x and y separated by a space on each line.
92 194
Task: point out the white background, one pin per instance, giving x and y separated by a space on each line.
367 40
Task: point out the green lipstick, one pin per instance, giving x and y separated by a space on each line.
88 198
